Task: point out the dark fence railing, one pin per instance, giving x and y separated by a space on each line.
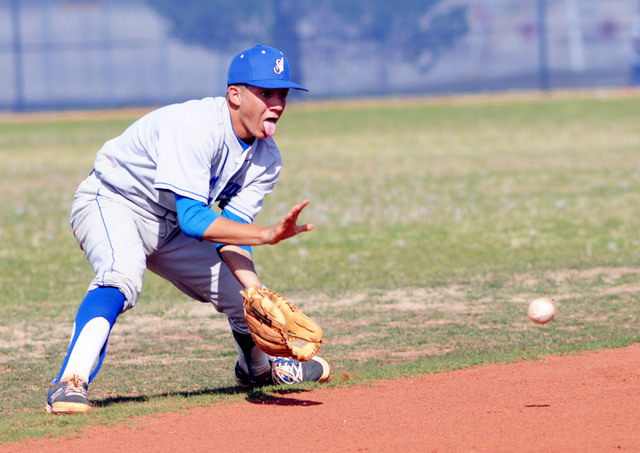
61 54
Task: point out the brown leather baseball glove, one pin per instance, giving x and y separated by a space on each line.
277 327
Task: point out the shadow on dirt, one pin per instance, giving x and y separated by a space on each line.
267 396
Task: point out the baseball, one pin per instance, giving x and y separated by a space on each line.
541 310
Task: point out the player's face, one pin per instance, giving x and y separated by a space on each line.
257 110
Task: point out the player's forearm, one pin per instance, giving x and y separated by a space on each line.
225 231
240 262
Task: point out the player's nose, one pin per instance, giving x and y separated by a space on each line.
278 100
277 103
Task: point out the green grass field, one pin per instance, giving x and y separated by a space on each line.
436 222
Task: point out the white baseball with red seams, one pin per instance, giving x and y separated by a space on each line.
541 310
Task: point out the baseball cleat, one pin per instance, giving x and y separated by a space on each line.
289 371
68 396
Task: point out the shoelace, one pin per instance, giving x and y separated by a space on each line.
290 371
76 385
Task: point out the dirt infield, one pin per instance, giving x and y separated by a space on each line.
582 403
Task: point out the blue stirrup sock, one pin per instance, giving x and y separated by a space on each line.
100 305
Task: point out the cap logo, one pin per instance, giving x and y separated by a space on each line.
279 67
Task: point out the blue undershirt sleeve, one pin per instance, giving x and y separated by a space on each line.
195 217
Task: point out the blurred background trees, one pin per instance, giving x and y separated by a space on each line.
401 30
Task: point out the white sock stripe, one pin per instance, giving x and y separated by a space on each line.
87 348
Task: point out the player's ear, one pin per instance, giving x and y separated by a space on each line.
234 94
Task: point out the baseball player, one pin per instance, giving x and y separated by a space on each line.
147 205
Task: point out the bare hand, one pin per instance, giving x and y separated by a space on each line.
287 227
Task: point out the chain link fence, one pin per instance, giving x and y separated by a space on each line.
60 54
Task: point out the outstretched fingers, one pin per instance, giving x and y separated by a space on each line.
292 217
288 226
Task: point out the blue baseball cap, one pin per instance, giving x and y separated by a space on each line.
262 67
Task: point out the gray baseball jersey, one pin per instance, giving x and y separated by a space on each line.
189 149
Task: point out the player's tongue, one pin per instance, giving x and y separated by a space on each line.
269 127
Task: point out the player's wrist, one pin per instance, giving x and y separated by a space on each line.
270 236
